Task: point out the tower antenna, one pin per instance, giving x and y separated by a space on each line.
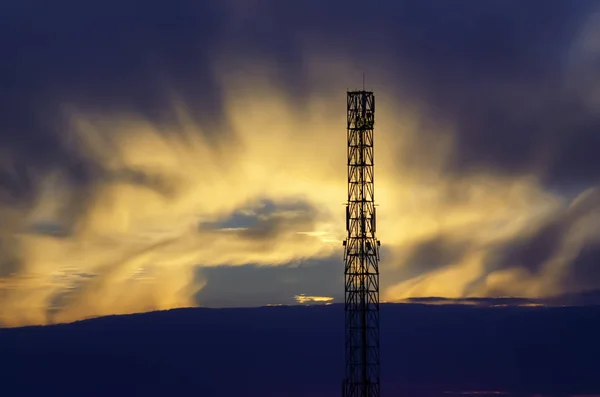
361 253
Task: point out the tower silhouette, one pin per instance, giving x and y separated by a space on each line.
361 253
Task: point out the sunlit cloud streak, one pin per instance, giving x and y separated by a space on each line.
304 299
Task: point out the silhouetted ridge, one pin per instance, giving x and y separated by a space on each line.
426 350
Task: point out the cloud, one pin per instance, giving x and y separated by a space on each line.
271 285
267 220
588 298
304 299
135 149
148 212
561 251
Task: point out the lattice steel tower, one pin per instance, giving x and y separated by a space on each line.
361 253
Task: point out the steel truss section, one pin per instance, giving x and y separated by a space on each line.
361 254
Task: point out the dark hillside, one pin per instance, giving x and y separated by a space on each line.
298 351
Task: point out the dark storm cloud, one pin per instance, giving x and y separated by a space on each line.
574 225
431 255
9 260
494 68
101 56
567 238
110 54
266 220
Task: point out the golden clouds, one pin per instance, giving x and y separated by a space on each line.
131 238
144 211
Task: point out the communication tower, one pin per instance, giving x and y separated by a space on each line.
361 253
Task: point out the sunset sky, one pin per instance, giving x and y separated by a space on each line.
192 153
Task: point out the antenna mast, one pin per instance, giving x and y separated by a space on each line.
361 253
